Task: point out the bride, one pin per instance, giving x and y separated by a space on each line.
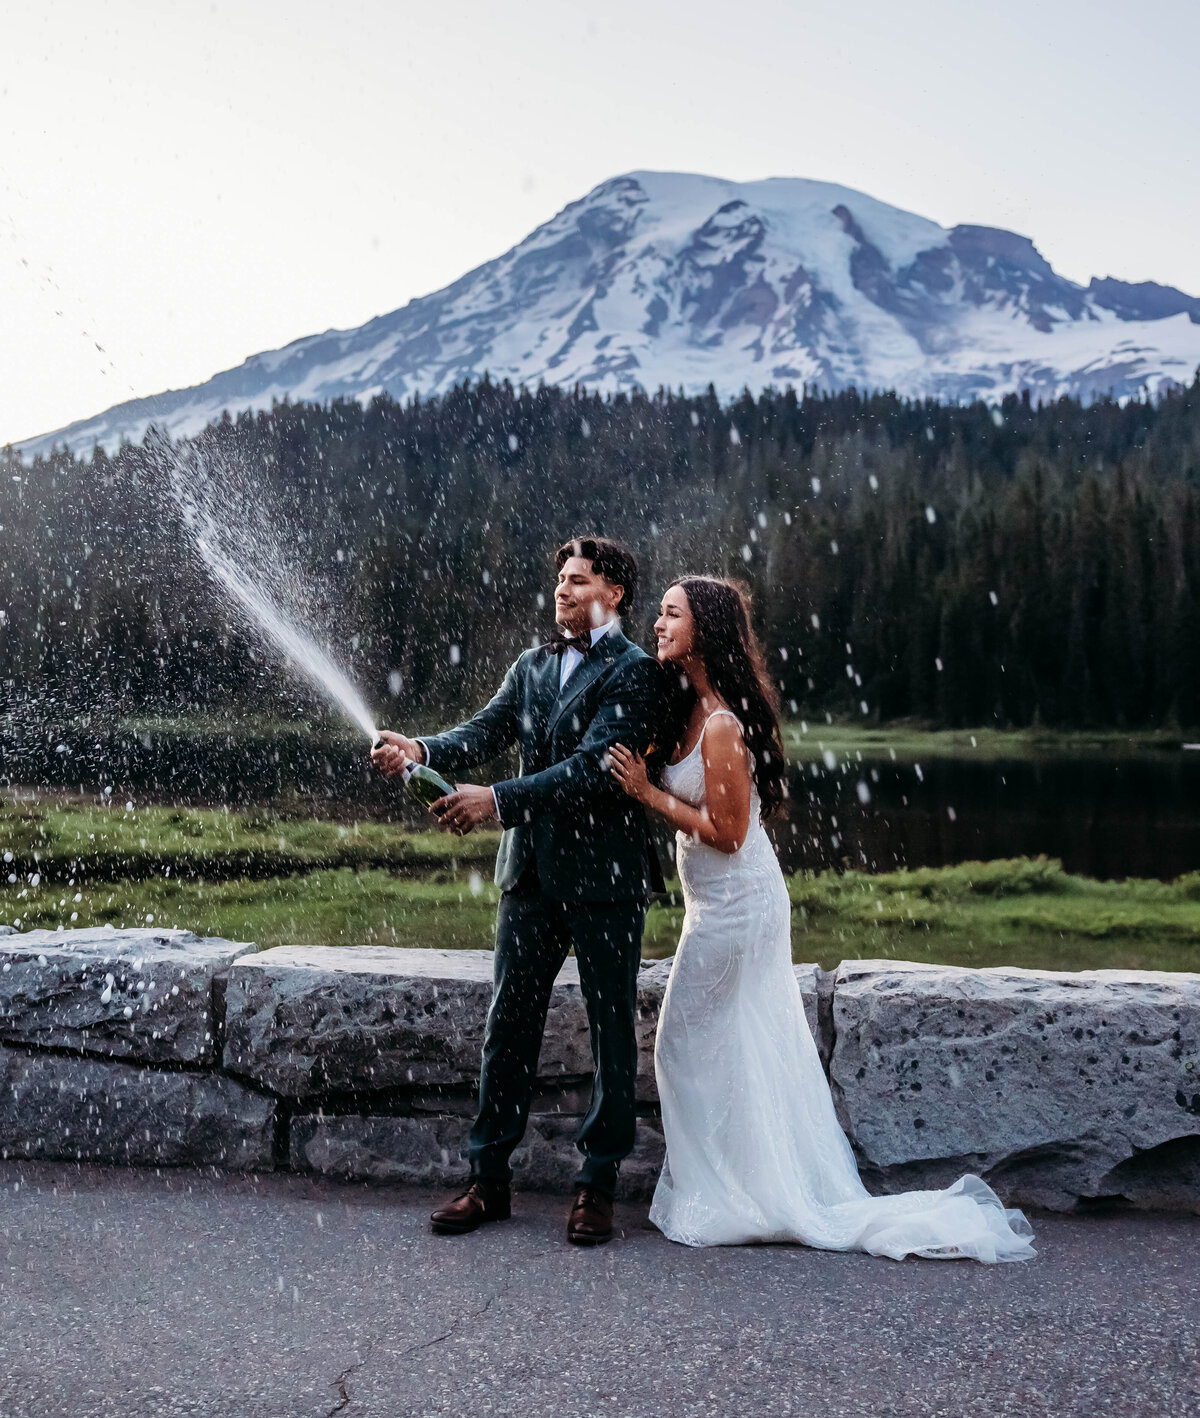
754 1148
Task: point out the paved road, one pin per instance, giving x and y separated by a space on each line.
127 1294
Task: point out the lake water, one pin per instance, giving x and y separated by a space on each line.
1103 814
1135 814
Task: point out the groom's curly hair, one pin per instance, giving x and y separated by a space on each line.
610 560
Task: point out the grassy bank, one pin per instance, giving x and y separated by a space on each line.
807 739
338 907
1023 912
274 879
1020 912
62 840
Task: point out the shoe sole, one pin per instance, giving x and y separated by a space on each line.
448 1228
578 1240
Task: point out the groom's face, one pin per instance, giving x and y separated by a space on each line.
583 599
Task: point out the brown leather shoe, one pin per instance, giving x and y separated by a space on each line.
590 1222
486 1199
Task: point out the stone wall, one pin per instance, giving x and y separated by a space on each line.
154 1047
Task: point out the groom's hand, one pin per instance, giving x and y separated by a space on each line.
468 807
394 753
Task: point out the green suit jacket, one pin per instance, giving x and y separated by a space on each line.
564 811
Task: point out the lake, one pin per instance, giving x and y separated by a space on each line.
1102 815
1105 814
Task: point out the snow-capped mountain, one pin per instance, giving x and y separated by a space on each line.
680 280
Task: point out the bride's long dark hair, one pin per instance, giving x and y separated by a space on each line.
733 660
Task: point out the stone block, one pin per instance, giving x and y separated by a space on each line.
93 1110
151 995
1056 1087
308 1020
816 992
432 1150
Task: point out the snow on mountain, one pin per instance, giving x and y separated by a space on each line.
682 280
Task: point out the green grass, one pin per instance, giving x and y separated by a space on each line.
338 907
1022 912
1025 912
907 742
63 840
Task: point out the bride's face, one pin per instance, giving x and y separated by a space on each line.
674 630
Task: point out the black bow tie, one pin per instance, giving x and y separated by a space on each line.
559 644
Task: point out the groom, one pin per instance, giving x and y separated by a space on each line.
576 868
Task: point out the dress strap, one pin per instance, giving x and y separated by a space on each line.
714 714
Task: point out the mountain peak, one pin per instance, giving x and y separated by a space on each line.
682 280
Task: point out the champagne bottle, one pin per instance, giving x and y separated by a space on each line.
424 784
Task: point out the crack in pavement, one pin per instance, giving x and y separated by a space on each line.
340 1383
458 1323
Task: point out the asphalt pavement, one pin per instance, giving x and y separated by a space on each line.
135 1293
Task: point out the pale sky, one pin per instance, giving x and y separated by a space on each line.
190 182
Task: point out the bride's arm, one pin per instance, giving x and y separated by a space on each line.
724 820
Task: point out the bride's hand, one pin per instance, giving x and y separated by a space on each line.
629 769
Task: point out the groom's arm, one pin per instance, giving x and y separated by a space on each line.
484 736
626 714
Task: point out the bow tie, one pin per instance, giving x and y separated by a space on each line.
559 644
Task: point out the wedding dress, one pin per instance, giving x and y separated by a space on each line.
754 1148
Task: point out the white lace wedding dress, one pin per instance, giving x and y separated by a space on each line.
754 1148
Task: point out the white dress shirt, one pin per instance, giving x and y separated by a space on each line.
572 659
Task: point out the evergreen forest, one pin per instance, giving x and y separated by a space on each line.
1021 564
